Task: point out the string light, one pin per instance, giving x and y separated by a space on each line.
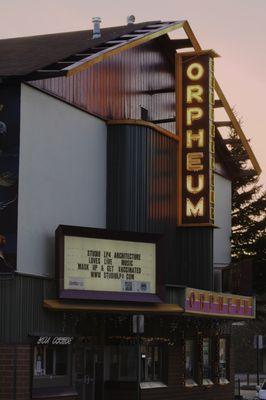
144 340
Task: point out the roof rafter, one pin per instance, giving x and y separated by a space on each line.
162 29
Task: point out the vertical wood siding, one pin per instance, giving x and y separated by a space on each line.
115 88
22 312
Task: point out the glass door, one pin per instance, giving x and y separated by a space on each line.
89 374
85 365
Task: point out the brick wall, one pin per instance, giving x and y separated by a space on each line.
15 372
15 368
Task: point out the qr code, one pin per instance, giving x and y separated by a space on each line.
128 286
143 287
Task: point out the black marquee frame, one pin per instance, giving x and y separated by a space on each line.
67 230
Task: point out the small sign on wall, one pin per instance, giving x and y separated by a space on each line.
54 340
204 302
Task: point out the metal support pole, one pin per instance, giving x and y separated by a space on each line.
257 348
138 368
15 373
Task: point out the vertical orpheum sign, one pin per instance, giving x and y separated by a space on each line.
195 126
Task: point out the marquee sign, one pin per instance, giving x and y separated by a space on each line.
195 99
99 264
203 302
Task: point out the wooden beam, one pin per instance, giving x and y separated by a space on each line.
159 91
222 123
238 128
191 36
180 43
226 105
163 121
193 53
43 74
231 142
218 104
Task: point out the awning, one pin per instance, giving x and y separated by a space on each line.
110 308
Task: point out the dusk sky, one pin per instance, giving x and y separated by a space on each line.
236 29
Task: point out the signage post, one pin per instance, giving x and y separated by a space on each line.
258 344
138 329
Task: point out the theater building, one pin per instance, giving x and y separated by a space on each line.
115 203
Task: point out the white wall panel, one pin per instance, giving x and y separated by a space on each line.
223 200
62 177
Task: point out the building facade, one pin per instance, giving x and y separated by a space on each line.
115 211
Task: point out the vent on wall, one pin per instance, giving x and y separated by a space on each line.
144 113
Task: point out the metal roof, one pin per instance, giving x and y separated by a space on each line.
62 53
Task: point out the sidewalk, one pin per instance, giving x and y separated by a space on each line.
248 394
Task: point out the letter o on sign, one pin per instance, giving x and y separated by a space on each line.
195 71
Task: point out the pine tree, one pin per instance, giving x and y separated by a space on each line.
248 207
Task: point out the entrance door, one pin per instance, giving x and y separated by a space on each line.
85 366
89 374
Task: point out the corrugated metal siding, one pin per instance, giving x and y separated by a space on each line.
142 183
115 88
142 177
22 312
142 197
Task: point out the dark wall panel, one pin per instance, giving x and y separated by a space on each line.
142 179
142 197
9 167
141 183
194 254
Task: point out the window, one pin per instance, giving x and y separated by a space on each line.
127 362
151 363
190 362
121 362
50 360
206 360
223 361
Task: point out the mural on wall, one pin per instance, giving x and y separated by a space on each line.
9 163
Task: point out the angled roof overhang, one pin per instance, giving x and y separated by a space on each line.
153 31
233 122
